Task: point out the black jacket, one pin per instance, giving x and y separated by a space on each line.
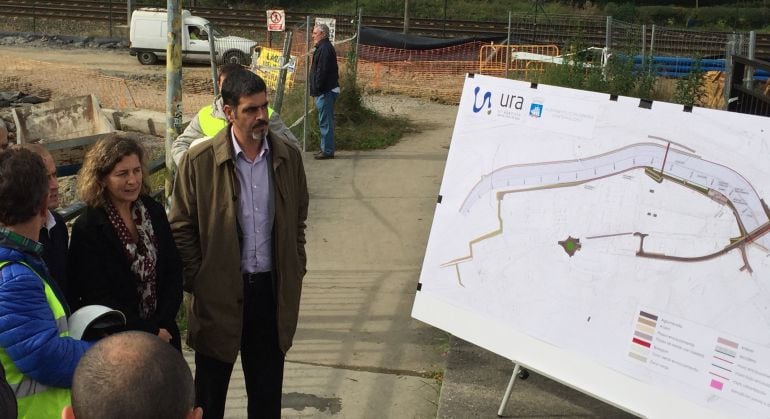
324 74
99 272
8 407
55 250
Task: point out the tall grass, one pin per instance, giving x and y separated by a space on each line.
356 127
619 76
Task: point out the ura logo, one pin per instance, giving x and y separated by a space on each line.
511 101
486 101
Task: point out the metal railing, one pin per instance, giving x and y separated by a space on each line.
746 95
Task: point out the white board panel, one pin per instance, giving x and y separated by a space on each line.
621 249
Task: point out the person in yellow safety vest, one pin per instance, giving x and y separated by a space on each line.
36 351
211 119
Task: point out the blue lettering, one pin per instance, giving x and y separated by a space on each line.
486 100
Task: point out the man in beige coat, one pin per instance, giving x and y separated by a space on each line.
238 214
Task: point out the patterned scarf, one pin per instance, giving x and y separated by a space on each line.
141 255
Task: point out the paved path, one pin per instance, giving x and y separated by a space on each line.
357 352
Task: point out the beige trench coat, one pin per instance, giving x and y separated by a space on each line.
203 217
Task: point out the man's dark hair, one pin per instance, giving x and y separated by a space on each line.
23 186
240 84
229 68
132 375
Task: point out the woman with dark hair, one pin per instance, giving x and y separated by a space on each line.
122 254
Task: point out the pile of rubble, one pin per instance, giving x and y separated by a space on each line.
10 99
60 41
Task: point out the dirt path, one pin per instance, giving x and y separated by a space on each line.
107 61
57 65
78 71
115 77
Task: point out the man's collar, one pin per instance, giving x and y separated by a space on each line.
224 150
17 241
237 147
50 222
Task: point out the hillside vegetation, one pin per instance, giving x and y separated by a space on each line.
711 14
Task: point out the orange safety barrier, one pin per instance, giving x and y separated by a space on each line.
493 59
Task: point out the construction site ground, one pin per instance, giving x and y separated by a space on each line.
357 352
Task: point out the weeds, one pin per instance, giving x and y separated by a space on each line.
356 127
691 90
620 75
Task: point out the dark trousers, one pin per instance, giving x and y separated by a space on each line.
261 358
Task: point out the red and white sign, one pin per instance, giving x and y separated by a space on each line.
276 20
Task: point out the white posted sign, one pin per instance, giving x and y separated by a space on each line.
619 247
331 23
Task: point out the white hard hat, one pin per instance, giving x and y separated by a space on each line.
94 317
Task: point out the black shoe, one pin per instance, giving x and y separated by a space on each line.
323 156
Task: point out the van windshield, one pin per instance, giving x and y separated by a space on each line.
217 32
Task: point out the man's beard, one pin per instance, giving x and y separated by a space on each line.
261 134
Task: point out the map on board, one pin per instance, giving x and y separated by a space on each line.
635 234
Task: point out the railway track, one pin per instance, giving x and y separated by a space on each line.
558 30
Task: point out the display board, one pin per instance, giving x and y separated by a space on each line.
619 246
268 64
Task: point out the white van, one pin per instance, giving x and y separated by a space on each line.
148 39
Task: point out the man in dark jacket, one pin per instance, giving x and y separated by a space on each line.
53 236
238 214
8 407
324 86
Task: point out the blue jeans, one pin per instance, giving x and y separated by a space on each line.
325 106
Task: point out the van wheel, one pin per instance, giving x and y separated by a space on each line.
147 58
235 57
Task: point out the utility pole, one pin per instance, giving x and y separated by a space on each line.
445 1
129 8
173 84
281 83
406 16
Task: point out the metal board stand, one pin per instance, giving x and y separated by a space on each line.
517 372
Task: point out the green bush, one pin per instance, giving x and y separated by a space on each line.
663 15
691 90
356 127
625 12
724 17
618 76
716 17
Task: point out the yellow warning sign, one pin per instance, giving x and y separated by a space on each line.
268 65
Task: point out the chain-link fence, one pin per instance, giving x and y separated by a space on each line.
536 40
435 73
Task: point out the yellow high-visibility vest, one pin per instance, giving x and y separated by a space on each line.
211 125
36 400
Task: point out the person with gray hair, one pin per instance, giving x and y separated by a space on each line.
324 86
132 375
